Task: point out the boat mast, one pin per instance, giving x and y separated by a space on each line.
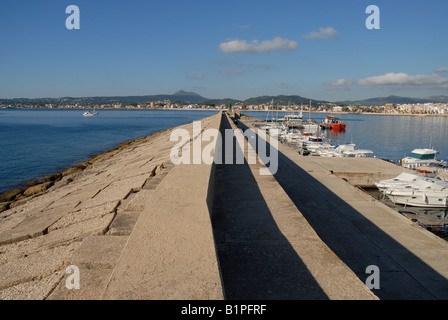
276 120
317 126
267 115
309 113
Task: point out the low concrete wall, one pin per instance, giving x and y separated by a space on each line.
360 172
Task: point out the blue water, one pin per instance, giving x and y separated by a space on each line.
389 137
37 143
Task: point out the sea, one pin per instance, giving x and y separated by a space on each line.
35 143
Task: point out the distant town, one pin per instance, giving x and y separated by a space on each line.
435 109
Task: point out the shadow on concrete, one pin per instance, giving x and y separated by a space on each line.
356 240
256 260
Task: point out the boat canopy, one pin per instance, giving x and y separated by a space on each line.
423 156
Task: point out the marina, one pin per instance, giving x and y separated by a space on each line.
389 137
420 179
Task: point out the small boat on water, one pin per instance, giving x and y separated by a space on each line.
333 123
89 113
412 190
421 157
434 170
294 120
347 151
401 180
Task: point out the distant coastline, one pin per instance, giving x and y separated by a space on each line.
241 110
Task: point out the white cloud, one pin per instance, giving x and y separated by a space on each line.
403 79
341 84
256 46
323 33
443 69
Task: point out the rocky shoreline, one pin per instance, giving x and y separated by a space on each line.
19 196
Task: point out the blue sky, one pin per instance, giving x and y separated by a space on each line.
234 48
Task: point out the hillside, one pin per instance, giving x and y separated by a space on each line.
185 97
380 101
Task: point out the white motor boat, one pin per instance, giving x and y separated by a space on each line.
89 113
420 157
401 180
357 153
412 190
419 197
349 151
310 126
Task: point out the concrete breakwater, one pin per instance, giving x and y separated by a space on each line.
136 226
16 197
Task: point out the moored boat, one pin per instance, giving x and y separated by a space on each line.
332 122
412 190
349 151
410 196
421 157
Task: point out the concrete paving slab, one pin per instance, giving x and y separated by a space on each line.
92 285
98 252
123 223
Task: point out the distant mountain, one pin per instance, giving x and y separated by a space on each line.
218 102
177 97
282 100
381 101
278 100
438 99
185 97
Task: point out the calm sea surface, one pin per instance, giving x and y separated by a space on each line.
36 143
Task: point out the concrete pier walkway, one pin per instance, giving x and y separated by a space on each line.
138 226
266 247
